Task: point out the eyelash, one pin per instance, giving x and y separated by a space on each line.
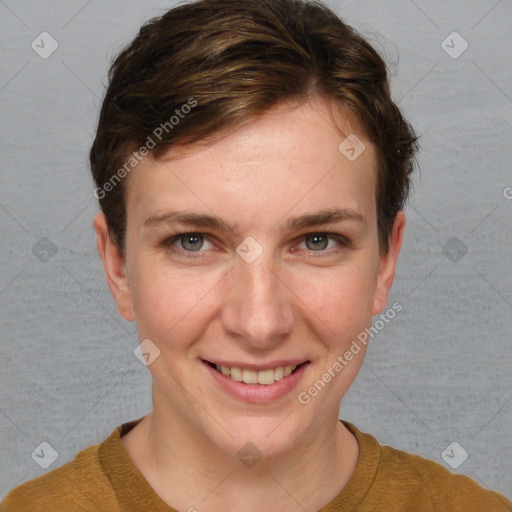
343 242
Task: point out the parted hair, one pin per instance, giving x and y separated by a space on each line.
208 67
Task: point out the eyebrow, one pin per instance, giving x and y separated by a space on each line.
307 220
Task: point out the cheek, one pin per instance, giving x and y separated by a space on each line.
167 300
342 299
172 305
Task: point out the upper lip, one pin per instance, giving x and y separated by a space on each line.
259 367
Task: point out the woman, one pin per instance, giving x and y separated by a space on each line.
251 169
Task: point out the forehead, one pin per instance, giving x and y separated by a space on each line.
288 153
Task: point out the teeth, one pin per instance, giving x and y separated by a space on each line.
250 376
279 373
236 374
265 377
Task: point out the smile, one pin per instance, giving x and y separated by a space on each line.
249 376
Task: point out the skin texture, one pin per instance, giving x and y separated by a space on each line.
295 301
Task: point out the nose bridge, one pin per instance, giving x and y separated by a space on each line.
257 308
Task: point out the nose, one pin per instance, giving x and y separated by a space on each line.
258 309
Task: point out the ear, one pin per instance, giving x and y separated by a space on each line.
115 268
387 265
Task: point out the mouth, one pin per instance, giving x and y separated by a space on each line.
265 377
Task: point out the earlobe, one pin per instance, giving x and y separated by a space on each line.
115 268
387 264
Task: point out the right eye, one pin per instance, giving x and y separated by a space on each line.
189 242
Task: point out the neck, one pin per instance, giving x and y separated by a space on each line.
188 472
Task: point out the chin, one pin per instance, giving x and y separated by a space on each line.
258 436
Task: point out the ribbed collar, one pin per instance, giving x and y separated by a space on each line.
135 494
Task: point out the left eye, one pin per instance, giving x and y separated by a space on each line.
318 242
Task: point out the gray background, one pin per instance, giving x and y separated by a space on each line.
438 373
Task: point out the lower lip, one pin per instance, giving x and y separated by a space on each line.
257 393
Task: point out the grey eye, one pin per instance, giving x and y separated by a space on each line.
192 242
317 243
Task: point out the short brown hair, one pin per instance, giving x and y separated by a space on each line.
234 61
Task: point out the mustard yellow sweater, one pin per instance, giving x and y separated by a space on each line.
103 478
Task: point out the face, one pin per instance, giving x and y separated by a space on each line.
255 256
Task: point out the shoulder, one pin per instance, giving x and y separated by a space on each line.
423 480
79 485
406 482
